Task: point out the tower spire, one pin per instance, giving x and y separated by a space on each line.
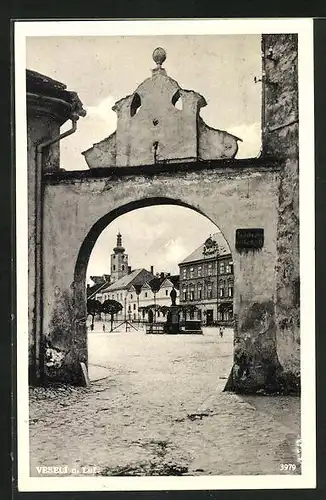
119 260
119 248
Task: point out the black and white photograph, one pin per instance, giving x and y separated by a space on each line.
165 254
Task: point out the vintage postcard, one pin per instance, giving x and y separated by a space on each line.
165 250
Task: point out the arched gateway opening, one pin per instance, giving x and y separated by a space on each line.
168 156
204 282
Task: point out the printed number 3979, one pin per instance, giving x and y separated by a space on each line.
288 467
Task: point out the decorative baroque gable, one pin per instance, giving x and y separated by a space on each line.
160 122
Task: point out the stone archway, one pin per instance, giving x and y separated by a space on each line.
257 193
78 287
89 204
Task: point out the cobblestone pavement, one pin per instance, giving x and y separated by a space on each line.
161 411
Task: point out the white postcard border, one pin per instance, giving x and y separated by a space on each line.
304 28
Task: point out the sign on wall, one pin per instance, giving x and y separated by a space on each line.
249 239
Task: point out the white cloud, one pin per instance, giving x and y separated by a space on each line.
175 251
103 111
99 122
251 139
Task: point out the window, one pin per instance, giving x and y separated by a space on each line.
177 100
199 271
200 293
131 296
192 294
230 291
221 292
129 308
143 313
191 272
134 306
184 294
222 268
184 273
209 292
210 270
135 105
227 270
145 294
191 315
166 292
113 296
113 267
158 314
123 267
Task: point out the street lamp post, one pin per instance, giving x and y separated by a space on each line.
138 307
154 306
125 311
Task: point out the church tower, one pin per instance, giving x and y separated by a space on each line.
119 261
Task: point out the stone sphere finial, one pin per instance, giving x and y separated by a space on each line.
159 56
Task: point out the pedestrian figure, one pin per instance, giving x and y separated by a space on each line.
103 327
221 331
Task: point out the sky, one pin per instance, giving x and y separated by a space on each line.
103 70
161 236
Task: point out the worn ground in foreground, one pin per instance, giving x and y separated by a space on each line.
161 411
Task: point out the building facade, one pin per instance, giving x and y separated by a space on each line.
154 297
207 282
121 290
140 292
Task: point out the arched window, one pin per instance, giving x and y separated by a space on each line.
177 100
135 105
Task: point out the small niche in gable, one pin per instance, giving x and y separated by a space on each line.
177 100
135 105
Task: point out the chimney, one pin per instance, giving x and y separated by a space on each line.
129 269
162 275
88 286
152 269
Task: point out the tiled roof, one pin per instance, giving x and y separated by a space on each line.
99 280
93 290
198 254
136 277
156 283
136 287
39 84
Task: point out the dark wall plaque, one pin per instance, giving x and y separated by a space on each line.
249 239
